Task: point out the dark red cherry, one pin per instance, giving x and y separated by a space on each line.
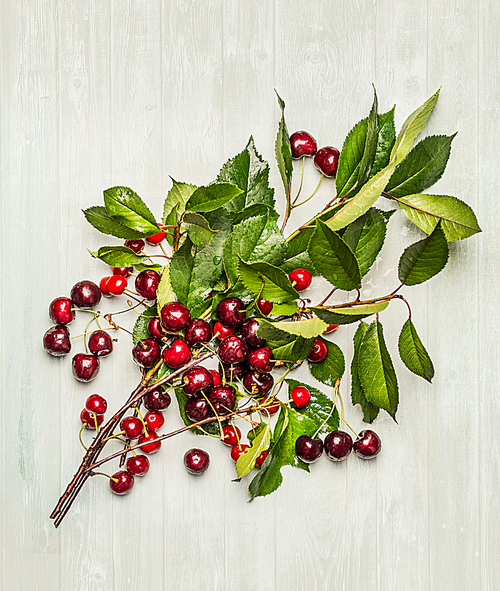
338 445
196 461
137 465
197 409
56 341
154 420
100 343
216 377
233 372
146 284
308 449
195 379
121 482
221 331
198 331
300 279
327 160
302 143
319 351
175 316
116 284
157 399
260 360
223 399
125 271
238 450
60 311
177 355
231 435
89 420
85 294
135 245
231 311
261 459
155 329
103 287
270 404
367 445
265 306
249 330
97 404
146 352
233 350
155 239
152 446
300 396
258 384
133 427
85 367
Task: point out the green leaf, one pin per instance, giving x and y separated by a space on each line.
312 327
370 410
98 217
128 208
252 211
198 228
423 166
254 239
333 259
317 413
283 150
365 237
423 259
386 139
246 461
250 173
413 353
212 197
331 368
175 201
294 351
342 315
376 371
370 143
140 330
119 256
413 125
296 256
425 211
277 287
164 292
287 309
181 269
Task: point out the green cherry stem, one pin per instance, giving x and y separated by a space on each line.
80 437
301 181
294 205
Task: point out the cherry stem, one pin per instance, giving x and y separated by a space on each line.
301 180
294 205
163 250
103 474
327 297
80 437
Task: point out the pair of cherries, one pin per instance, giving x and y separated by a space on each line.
326 159
115 284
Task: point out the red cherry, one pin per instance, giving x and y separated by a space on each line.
308 449
249 330
97 404
125 271
157 399
197 409
260 360
265 306
261 459
231 311
153 446
146 284
331 328
146 352
56 341
233 350
216 376
121 482
221 331
85 294
269 406
327 160
135 245
223 399
175 316
231 435
300 396
100 343
196 461
155 239
300 279
319 352
196 379
198 331
177 355
367 445
302 143
89 419
154 420
133 427
60 311
85 367
138 465
238 450
103 287
116 284
258 384
155 329
338 445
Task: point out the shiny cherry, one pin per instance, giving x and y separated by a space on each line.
177 355
223 399
157 399
146 352
154 420
271 405
97 404
152 446
260 360
302 143
155 239
133 427
103 287
195 379
198 331
100 343
231 311
125 271
265 306
175 316
308 449
135 245
89 420
85 367
116 284
238 450
137 465
233 350
367 445
56 341
258 384
221 331
146 284
338 445
85 294
216 377
249 330
196 461
155 329
319 351
121 482
300 279
60 311
261 459
197 409
327 160
231 435
300 396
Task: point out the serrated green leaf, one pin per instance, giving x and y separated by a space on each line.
413 125
342 315
140 330
333 259
423 166
164 292
370 143
212 197
283 150
287 309
425 211
252 211
246 461
198 228
129 209
386 139
331 368
270 282
317 413
98 217
365 237
181 269
250 173
119 256
175 201
294 351
312 327
296 256
370 410
423 259
413 353
141 267
376 371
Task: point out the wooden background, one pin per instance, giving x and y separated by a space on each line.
96 93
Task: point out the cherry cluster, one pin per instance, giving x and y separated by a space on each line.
337 446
